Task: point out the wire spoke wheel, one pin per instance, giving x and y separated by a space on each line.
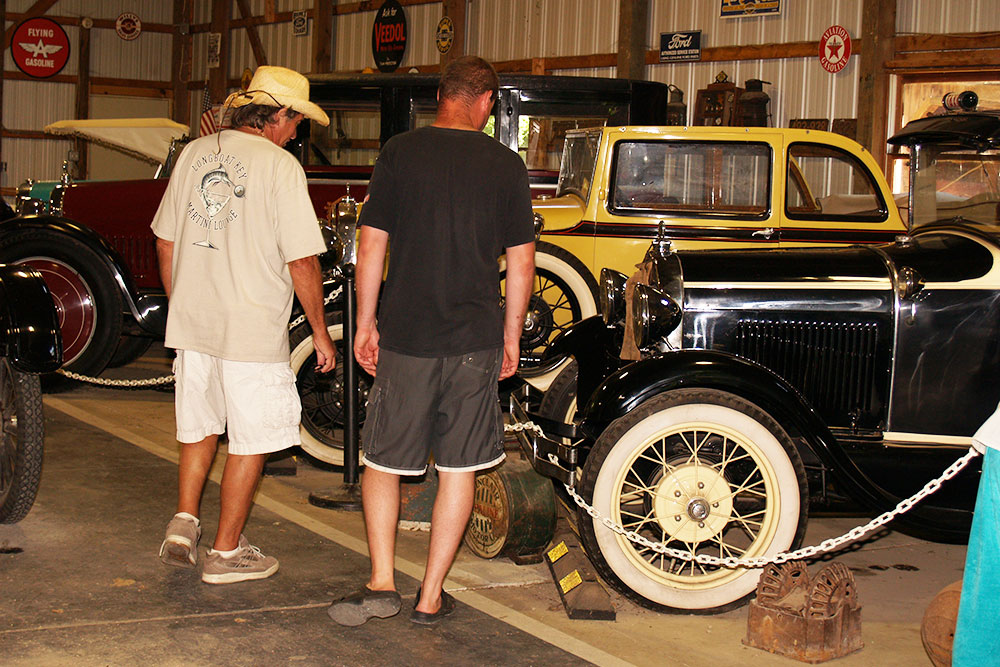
322 395
563 292
702 472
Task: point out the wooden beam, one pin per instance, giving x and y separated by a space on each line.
633 26
978 59
322 37
30 134
103 24
217 76
164 93
286 17
255 44
82 98
180 59
37 9
455 10
878 30
952 42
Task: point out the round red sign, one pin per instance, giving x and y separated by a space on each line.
39 47
834 49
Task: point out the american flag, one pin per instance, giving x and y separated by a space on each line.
208 124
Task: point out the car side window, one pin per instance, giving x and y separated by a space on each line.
826 183
351 138
689 178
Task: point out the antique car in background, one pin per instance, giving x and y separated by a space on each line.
29 344
724 395
704 187
92 239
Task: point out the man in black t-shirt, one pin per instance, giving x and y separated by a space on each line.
450 200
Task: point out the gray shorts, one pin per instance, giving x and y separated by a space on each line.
448 406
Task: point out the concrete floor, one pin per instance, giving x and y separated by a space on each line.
81 583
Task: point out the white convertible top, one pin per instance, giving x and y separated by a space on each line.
144 138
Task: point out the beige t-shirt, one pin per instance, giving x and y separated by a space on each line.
236 217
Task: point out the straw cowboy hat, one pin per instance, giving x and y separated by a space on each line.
279 86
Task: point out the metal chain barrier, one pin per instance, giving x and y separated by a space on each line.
732 562
168 379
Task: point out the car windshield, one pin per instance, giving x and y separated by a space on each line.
953 183
579 158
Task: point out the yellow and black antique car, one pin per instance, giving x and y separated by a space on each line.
724 395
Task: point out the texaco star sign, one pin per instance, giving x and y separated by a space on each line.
834 49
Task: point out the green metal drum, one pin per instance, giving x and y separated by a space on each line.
514 512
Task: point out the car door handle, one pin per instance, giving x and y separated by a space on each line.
765 233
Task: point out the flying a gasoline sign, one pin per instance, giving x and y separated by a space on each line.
39 47
389 36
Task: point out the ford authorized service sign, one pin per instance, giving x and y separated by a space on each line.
389 36
39 48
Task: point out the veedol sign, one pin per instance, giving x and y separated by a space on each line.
39 48
389 36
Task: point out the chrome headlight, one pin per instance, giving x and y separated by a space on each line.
612 295
654 315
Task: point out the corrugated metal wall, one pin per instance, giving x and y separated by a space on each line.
498 30
30 105
799 87
944 16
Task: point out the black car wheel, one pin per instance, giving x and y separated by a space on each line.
87 299
697 470
322 395
129 349
564 292
559 400
20 441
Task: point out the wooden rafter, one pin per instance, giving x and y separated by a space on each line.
255 44
37 9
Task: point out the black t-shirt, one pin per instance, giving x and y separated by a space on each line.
451 202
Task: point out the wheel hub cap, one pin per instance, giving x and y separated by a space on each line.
693 503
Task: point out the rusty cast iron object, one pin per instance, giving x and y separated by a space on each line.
809 619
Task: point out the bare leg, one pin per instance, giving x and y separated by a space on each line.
239 481
380 497
452 508
195 462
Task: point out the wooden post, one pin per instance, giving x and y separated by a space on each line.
878 31
181 63
222 14
322 36
633 25
82 97
455 10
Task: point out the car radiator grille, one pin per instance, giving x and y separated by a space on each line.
832 364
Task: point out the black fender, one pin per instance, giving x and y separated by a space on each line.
632 385
149 310
30 324
596 349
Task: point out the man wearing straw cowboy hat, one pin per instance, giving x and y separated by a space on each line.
236 236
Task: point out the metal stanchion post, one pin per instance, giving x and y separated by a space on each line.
347 496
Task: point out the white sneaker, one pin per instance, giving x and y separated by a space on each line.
180 546
246 564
